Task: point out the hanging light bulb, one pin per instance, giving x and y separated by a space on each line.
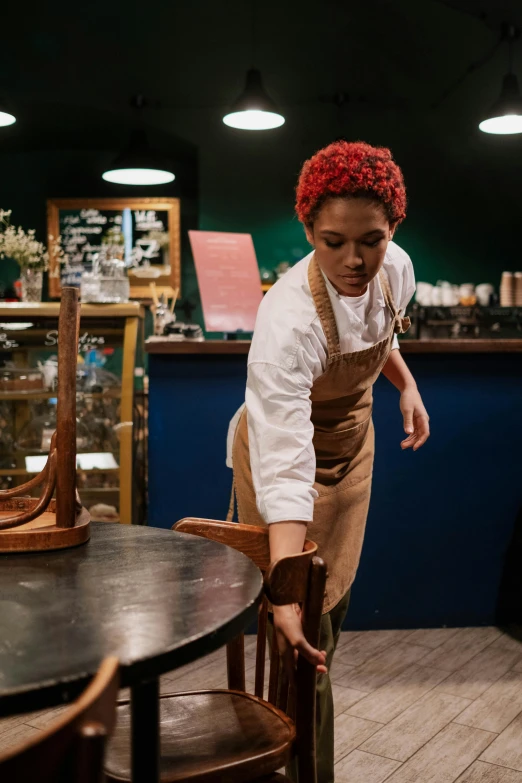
254 109
505 116
139 165
6 115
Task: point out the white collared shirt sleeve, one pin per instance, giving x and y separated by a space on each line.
280 433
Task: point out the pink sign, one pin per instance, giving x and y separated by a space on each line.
228 278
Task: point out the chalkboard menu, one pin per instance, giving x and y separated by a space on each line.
146 231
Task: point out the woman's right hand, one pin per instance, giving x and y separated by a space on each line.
291 640
287 538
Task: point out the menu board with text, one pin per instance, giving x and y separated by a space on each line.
144 232
85 231
228 278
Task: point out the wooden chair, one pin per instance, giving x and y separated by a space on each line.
229 736
33 524
71 750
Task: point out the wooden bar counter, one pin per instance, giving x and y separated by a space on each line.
231 347
441 519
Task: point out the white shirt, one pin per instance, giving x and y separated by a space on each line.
288 353
359 305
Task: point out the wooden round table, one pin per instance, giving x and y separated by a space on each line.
155 598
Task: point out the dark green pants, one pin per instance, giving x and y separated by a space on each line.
330 631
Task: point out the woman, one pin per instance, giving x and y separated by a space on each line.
304 446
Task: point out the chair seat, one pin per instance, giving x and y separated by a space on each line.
221 735
46 519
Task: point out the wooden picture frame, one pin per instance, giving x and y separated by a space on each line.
167 282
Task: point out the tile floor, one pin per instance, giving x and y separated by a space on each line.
426 706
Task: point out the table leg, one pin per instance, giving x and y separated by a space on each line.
145 733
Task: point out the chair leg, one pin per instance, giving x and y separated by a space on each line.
89 756
66 409
236 663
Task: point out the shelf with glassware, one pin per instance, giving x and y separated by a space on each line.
462 313
106 435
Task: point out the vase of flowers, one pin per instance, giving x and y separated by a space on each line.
32 283
30 255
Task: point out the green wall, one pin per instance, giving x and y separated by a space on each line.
9 272
463 187
391 59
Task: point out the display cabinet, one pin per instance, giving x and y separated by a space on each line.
106 435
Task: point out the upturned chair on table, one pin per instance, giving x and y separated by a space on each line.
71 750
232 736
33 524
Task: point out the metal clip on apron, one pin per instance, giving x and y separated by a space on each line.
342 399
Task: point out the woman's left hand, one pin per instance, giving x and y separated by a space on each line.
416 419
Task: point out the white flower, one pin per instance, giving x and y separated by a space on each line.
21 246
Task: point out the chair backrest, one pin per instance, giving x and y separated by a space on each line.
71 750
299 578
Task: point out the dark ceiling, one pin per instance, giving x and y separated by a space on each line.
70 68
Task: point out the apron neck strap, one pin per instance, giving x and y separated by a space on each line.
400 324
388 296
324 308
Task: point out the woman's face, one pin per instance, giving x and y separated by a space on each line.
350 237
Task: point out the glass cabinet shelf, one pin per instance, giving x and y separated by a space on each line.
109 336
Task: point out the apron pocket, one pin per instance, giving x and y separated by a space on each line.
336 450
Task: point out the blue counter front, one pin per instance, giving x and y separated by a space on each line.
441 519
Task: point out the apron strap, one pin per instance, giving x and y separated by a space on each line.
324 308
400 325
388 296
232 504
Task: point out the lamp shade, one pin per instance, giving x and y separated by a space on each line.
139 165
6 114
505 116
254 109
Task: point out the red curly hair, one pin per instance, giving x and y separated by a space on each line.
350 169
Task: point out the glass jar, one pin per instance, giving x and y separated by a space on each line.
36 435
90 288
21 380
32 282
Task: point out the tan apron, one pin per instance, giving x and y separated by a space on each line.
342 399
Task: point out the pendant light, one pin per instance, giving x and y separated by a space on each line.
6 115
254 109
139 164
505 116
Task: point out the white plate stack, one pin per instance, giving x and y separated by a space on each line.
518 289
507 289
